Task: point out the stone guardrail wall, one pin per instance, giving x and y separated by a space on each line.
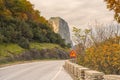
81 73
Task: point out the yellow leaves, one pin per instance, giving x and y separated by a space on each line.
106 56
105 47
115 59
108 53
5 13
24 16
115 6
115 45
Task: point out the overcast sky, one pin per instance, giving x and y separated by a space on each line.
76 12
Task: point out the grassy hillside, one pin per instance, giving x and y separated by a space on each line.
14 49
40 46
8 49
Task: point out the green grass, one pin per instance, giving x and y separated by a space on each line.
40 46
8 49
14 49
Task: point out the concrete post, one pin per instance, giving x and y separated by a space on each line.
93 75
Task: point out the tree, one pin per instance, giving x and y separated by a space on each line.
80 38
115 6
103 51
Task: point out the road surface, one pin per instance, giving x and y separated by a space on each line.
43 70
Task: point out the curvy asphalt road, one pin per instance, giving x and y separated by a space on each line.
43 70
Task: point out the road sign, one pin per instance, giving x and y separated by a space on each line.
73 54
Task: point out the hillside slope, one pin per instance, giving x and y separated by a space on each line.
13 52
20 23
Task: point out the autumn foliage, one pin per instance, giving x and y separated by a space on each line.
115 6
105 57
103 52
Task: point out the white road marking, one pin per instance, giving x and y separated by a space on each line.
57 74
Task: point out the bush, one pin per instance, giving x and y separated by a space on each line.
24 43
105 57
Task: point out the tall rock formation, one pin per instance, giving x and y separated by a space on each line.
61 27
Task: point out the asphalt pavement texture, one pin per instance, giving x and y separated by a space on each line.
42 70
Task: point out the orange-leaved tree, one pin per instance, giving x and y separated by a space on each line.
104 57
115 6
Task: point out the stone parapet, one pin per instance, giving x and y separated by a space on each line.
81 73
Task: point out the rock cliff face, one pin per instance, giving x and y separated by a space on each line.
61 27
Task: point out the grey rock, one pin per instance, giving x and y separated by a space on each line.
61 27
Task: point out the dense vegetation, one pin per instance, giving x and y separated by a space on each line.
20 23
105 57
99 48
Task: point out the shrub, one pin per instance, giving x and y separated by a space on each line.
24 43
105 57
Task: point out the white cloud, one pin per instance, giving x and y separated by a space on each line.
75 12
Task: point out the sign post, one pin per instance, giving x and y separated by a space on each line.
73 56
